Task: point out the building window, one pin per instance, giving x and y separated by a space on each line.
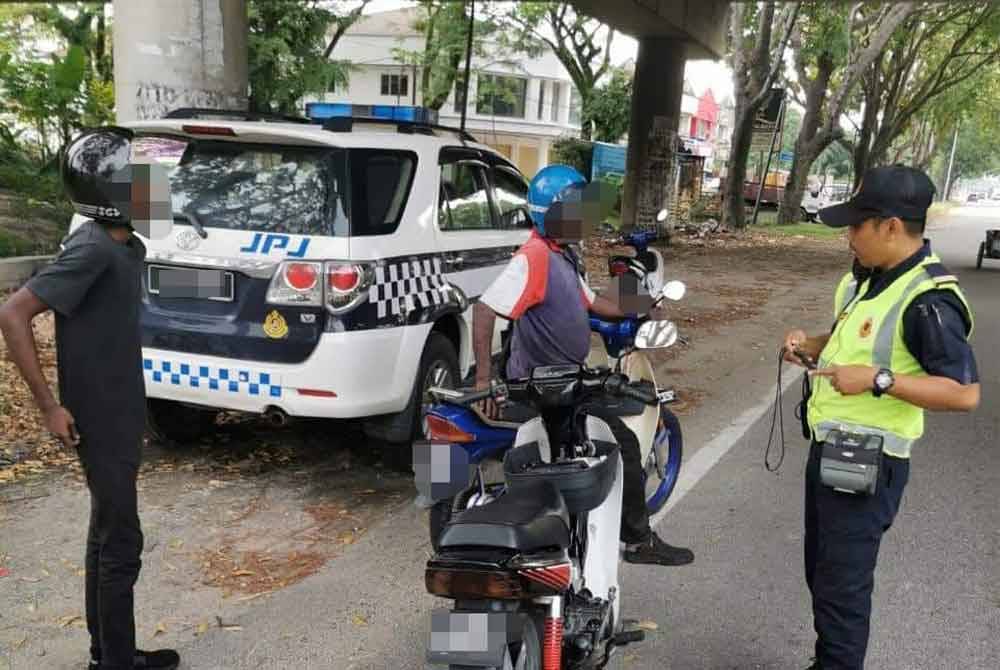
541 99
501 96
395 84
556 101
575 107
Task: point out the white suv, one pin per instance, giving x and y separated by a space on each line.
318 270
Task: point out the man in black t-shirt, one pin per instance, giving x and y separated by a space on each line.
94 288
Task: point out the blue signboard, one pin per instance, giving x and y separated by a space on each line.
608 159
786 156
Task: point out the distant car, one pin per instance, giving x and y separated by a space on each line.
973 197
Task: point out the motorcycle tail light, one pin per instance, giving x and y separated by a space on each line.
442 430
618 268
460 584
551 579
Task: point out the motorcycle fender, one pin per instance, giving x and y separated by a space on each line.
638 368
472 639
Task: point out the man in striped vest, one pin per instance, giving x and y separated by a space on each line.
899 347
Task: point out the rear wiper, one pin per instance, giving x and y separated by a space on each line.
192 218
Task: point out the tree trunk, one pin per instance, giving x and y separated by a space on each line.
795 187
734 209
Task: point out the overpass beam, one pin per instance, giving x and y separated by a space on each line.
179 53
656 106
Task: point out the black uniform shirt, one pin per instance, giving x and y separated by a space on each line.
94 287
936 325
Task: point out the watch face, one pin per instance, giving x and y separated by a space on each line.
883 380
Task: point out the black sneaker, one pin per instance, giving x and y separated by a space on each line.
655 551
161 659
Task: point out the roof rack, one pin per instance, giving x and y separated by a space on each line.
344 124
242 114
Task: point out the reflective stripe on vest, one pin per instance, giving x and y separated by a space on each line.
846 291
869 332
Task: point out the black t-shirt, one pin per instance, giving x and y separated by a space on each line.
94 287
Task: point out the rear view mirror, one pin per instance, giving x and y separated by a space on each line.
656 335
673 290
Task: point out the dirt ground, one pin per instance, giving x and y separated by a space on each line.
253 509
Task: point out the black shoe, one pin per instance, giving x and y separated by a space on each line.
655 551
161 659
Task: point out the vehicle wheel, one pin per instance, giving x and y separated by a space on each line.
979 258
669 441
806 216
438 367
172 421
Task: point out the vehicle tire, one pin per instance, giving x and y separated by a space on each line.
171 421
438 367
979 257
669 430
806 216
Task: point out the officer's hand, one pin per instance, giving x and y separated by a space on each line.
848 379
795 339
60 423
487 406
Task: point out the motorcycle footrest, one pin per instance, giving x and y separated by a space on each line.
628 637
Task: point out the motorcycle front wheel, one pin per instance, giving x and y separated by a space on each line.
669 442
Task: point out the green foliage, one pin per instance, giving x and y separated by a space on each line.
610 108
288 53
573 152
835 159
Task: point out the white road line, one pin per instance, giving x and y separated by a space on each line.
705 458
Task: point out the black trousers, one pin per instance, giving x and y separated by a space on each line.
843 533
114 546
635 516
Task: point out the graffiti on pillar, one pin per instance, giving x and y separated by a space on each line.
154 101
657 179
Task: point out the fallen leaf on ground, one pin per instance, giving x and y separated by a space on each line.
4 572
648 625
243 573
161 628
202 628
359 620
68 620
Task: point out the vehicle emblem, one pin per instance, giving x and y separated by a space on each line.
275 326
188 240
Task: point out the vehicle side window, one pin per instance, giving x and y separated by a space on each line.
465 202
511 195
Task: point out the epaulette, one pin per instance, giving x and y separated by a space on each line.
940 274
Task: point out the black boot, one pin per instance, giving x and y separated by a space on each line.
655 551
161 659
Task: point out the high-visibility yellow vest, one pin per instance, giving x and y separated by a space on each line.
870 332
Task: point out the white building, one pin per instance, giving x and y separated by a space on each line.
540 102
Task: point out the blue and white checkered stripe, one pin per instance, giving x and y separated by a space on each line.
212 378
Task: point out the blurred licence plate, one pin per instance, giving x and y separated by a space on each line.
170 282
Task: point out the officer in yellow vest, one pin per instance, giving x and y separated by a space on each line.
899 346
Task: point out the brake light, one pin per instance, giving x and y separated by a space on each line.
553 577
460 584
301 276
317 393
442 430
343 278
618 268
209 130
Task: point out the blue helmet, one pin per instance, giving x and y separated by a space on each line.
553 183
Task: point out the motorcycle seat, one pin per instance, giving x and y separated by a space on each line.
529 517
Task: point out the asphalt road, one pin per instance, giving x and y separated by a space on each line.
743 604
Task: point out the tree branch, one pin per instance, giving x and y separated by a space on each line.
793 14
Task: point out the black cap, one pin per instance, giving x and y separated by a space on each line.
884 192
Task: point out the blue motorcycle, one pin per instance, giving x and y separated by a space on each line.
452 419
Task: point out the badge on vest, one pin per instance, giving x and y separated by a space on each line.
866 328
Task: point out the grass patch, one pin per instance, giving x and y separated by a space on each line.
14 245
767 222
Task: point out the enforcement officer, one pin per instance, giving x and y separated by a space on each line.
899 346
94 288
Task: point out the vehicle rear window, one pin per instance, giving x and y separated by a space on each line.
293 189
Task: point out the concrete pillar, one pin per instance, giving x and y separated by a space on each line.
179 53
656 107
565 97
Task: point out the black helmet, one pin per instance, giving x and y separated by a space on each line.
92 168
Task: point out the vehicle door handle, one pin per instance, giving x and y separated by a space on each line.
455 262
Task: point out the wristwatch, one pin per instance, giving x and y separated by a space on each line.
884 380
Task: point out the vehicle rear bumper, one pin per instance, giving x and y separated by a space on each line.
371 372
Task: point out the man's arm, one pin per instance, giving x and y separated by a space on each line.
932 392
483 321
16 316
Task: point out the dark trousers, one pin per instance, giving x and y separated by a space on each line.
635 516
114 546
843 533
